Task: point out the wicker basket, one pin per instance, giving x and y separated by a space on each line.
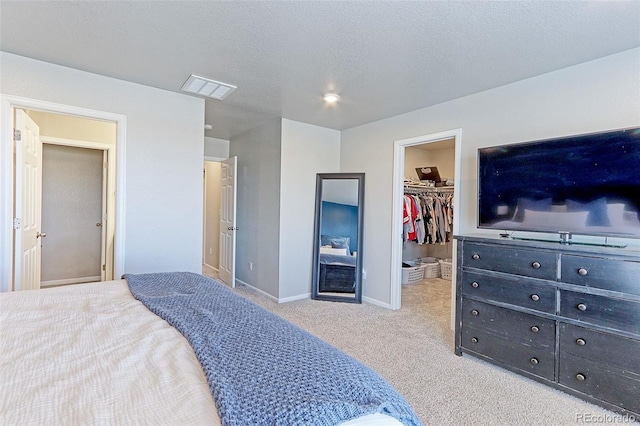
446 269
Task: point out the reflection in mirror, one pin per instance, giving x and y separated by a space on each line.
337 251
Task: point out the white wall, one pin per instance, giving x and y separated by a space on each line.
416 157
594 96
164 147
216 148
258 206
306 150
277 166
445 160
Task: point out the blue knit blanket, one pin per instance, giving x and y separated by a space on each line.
263 370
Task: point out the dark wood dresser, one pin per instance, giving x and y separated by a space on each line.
564 315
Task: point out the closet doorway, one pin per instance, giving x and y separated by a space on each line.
438 156
443 151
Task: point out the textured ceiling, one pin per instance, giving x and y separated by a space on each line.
384 58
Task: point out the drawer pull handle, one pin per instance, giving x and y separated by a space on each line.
474 340
581 342
581 377
582 307
534 361
535 297
535 328
475 257
475 313
536 265
475 284
582 271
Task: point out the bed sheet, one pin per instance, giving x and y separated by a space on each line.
92 354
337 259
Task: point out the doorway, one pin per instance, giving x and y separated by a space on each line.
219 219
438 157
77 220
11 193
211 219
398 192
73 195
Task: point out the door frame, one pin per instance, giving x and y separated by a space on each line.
7 172
210 159
398 191
109 229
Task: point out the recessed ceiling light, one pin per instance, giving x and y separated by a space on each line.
331 98
208 127
207 87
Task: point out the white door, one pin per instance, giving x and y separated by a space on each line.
227 264
28 201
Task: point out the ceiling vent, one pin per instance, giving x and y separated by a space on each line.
208 88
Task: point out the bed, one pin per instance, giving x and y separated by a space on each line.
337 272
95 354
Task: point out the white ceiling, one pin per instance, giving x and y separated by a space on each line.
384 58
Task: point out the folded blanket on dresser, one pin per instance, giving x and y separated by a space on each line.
263 370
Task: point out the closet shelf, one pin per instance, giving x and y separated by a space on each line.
420 188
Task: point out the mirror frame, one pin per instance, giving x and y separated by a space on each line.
315 277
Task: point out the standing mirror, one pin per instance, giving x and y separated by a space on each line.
337 244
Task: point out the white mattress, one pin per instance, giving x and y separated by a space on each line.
92 354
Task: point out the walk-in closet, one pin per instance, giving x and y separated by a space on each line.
428 211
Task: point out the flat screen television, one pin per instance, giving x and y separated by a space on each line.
585 184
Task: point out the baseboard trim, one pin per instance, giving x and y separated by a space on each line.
376 302
80 280
303 296
294 298
212 267
257 290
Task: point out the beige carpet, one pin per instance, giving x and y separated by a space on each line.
413 349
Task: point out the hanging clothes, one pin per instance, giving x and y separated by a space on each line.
410 215
428 217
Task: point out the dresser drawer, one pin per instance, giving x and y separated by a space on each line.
514 290
619 352
616 275
517 326
605 311
608 384
530 263
512 353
